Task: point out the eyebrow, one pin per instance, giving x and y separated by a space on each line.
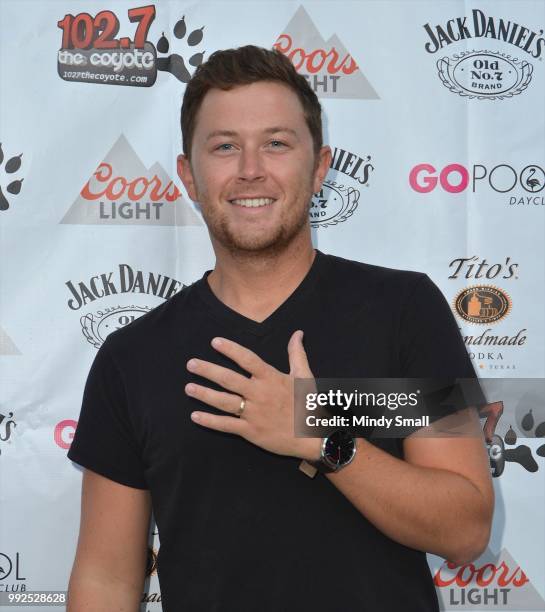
271 130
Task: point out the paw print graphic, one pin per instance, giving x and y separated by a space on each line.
498 451
174 63
14 187
522 453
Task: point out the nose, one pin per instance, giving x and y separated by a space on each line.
251 166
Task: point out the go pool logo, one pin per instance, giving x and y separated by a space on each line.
524 185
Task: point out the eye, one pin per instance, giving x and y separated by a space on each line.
277 144
224 147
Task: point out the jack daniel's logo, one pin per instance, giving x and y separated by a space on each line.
339 196
109 287
485 74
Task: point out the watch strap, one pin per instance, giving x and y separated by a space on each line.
322 465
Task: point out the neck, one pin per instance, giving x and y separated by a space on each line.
255 285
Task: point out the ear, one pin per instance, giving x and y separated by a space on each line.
322 167
186 175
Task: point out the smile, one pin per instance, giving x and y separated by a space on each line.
252 202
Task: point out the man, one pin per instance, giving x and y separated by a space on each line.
189 409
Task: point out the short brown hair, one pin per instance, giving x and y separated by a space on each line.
249 64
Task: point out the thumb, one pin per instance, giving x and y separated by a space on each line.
299 366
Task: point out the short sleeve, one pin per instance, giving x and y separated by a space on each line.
431 347
104 440
430 343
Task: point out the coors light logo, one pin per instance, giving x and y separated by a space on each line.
494 582
485 74
326 64
122 191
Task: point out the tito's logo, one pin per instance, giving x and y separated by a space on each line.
482 304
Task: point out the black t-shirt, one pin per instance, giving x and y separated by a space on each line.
243 529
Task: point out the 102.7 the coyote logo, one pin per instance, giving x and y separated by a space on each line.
93 52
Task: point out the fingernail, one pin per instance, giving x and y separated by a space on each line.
216 342
196 416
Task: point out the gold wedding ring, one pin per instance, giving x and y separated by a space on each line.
242 406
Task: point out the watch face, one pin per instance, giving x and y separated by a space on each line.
339 447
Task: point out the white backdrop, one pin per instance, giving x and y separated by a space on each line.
436 113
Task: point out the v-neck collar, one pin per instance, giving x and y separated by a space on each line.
226 314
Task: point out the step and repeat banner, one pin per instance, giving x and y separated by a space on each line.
435 112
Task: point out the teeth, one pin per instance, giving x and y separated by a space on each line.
253 202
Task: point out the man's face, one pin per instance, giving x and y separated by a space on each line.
253 169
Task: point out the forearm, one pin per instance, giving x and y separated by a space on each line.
428 509
88 592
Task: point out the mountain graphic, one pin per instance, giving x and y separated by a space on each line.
305 35
7 347
126 163
524 597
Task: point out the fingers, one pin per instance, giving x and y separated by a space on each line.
227 424
218 399
299 366
226 378
245 358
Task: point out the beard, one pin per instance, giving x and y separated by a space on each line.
246 242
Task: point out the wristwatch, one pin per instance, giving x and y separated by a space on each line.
337 451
